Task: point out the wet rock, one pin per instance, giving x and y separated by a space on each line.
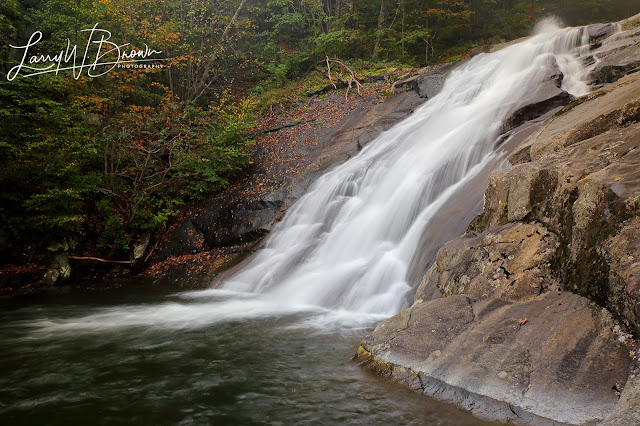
565 216
426 82
59 270
547 96
512 262
599 31
616 56
551 359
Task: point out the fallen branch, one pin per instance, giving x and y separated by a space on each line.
349 81
153 249
282 126
329 87
97 259
329 73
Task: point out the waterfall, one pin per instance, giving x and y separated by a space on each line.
350 243
365 232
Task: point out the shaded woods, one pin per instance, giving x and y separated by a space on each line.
92 166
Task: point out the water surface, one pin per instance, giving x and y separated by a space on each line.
112 358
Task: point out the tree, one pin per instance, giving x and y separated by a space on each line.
379 32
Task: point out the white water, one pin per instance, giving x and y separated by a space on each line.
349 242
348 245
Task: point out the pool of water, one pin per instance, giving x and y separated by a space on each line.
203 357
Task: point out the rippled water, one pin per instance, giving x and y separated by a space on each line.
64 361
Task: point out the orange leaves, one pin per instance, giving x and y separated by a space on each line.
126 88
522 321
140 109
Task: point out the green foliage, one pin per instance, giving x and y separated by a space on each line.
48 158
222 147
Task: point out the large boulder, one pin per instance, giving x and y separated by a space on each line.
555 358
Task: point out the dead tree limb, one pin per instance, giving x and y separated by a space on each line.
97 259
201 86
349 81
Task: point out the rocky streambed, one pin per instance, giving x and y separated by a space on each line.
532 315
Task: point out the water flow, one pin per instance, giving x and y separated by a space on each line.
349 242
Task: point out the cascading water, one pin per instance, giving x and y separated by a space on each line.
349 243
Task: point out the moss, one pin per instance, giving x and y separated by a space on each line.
630 24
578 101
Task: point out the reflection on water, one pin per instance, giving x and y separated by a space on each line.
210 357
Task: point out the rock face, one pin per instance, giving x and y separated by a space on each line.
426 82
582 184
619 54
490 357
530 316
511 261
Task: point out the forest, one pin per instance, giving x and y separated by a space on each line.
90 165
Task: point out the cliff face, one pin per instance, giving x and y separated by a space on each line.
529 316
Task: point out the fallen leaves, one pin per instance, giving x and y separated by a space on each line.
522 321
617 179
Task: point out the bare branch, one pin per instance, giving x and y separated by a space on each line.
97 259
350 81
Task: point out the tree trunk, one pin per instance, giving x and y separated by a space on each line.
202 82
402 35
376 46
426 51
426 41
